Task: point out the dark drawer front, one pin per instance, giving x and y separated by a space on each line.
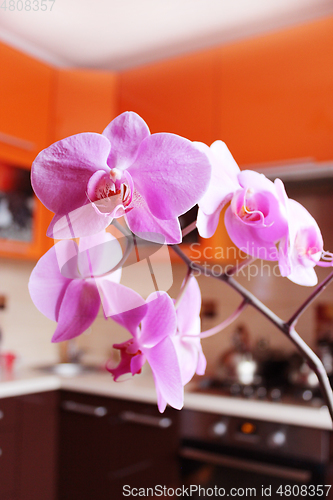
8 413
7 463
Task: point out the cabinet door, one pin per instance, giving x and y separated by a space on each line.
85 101
8 447
107 443
24 218
275 95
25 104
145 448
38 442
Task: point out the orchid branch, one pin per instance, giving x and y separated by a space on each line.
320 288
241 265
221 326
188 229
286 327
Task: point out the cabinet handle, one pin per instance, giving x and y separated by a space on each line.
1 414
17 142
141 419
95 411
207 457
0 452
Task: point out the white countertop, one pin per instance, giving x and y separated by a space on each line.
141 388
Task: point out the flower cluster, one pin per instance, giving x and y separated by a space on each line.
89 180
260 219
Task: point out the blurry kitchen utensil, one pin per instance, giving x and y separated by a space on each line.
300 374
238 365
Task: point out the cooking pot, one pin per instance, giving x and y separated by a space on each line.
238 365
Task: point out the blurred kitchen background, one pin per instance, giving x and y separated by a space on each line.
257 75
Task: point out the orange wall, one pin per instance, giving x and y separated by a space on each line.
276 95
84 101
269 98
174 96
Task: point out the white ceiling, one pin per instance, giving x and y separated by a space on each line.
117 34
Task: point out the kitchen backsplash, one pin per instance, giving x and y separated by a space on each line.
27 332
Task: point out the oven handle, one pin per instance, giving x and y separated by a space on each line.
302 476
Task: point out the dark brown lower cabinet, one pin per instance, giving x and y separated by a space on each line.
109 447
28 447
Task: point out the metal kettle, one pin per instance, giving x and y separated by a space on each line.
238 365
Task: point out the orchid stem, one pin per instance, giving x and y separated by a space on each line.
122 229
320 288
285 327
221 326
241 265
188 229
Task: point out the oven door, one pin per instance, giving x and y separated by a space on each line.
230 456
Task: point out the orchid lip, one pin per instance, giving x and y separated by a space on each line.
248 216
113 196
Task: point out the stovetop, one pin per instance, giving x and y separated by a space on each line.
285 394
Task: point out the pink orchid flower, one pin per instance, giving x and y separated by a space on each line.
168 339
151 342
88 179
186 338
302 248
256 218
65 285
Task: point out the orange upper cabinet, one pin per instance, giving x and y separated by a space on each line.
25 102
85 101
275 95
174 96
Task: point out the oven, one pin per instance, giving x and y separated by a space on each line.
228 456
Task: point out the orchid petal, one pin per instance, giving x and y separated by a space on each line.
252 179
141 221
187 341
202 363
159 321
188 356
207 224
98 254
47 285
125 306
161 403
221 151
60 173
189 308
284 246
164 364
84 221
78 310
302 250
171 174
305 276
125 133
67 257
223 182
